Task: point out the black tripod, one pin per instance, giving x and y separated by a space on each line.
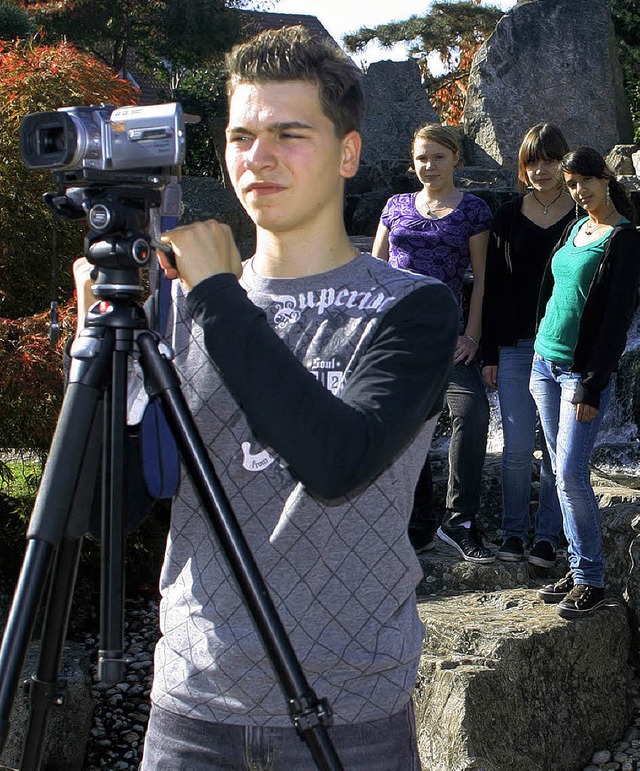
95 402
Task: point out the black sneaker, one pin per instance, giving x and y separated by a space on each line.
581 601
512 549
467 541
420 540
558 591
543 554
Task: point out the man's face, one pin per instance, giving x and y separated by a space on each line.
284 159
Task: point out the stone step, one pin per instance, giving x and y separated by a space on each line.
444 572
505 683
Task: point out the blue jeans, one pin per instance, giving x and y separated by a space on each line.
176 743
570 443
519 418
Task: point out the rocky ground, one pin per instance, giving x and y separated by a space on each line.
122 711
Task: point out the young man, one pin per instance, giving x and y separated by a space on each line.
315 375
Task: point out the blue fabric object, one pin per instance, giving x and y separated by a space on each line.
160 455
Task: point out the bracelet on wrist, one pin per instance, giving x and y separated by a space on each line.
473 340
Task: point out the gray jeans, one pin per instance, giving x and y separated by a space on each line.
466 399
176 743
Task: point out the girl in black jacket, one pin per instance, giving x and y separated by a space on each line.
524 232
587 302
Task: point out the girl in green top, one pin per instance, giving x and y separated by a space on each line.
587 300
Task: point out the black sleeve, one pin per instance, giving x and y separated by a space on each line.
496 296
332 445
610 337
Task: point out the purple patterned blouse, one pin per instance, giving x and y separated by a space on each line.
438 247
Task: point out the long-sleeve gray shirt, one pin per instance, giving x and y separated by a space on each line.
319 453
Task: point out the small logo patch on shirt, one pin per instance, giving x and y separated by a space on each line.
255 461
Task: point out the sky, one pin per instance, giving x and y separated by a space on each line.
342 16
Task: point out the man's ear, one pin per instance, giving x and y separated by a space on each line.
351 148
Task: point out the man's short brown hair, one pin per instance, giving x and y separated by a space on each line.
293 53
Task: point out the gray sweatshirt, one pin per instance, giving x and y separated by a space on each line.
317 398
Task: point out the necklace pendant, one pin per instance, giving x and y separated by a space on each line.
544 211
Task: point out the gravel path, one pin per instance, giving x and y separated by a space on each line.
122 711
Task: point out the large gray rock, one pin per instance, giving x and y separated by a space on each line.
547 60
205 198
396 105
68 725
506 684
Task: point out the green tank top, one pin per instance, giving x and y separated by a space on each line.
573 268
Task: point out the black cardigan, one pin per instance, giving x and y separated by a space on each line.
505 310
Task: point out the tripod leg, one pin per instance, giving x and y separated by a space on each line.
309 714
111 661
46 688
61 511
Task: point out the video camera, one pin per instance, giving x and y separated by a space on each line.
119 167
104 138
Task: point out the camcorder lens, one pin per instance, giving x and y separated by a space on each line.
51 140
48 140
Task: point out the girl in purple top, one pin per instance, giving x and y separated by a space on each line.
441 232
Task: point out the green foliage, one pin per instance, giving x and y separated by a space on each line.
19 479
626 21
195 33
202 92
15 22
31 381
36 78
452 30
159 33
444 30
107 28
144 551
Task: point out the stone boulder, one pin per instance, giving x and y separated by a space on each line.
396 105
533 68
506 684
205 198
620 159
632 587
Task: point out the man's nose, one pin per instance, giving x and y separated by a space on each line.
260 154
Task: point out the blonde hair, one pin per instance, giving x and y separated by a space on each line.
442 135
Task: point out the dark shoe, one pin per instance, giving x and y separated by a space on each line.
543 554
558 591
582 600
512 549
468 542
421 540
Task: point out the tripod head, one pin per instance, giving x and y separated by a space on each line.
125 221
